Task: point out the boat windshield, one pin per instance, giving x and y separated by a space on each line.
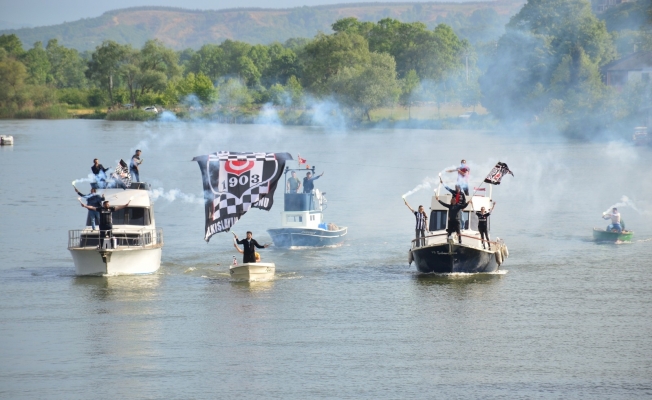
129 216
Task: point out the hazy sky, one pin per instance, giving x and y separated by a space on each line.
51 12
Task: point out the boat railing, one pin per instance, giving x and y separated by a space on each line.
442 237
117 239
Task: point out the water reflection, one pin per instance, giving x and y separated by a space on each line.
459 280
253 286
123 288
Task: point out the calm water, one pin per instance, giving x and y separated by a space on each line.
567 318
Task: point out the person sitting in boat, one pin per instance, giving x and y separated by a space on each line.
421 223
457 192
250 244
454 211
463 174
308 182
106 216
100 174
483 217
615 221
95 200
293 184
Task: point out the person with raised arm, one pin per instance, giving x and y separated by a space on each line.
421 223
457 192
463 174
614 215
309 182
100 174
454 210
92 199
483 228
106 216
250 244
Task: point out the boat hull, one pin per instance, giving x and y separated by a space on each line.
454 258
91 261
600 235
253 271
306 237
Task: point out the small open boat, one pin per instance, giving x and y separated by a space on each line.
253 271
602 235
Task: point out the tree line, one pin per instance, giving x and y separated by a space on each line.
545 68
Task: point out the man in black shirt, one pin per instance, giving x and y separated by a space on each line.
100 174
483 217
309 182
250 245
454 209
106 218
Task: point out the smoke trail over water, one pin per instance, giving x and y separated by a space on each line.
624 202
175 194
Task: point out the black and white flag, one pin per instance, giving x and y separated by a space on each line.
235 182
497 173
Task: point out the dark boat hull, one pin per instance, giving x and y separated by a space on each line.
302 237
453 258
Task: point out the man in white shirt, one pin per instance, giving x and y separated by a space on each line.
615 220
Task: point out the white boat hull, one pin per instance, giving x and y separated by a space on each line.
253 271
116 261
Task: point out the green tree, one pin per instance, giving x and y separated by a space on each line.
105 65
369 86
408 85
327 55
66 66
37 64
234 94
295 90
12 78
210 61
12 45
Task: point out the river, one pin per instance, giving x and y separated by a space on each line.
565 317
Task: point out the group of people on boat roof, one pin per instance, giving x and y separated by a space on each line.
293 184
457 204
122 175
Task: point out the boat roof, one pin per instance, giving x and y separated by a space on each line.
118 197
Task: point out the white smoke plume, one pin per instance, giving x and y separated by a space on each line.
173 195
426 184
624 202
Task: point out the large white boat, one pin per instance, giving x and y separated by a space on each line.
302 221
135 244
436 253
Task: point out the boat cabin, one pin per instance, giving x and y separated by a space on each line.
303 210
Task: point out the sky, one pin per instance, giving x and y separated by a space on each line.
31 13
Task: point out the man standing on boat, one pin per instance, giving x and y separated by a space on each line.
422 223
457 193
463 174
250 245
615 220
483 228
134 166
100 174
294 184
454 210
309 182
95 200
106 217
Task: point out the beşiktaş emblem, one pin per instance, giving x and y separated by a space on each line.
497 173
234 182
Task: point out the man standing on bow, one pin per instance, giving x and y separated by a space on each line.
106 217
250 245
454 210
422 223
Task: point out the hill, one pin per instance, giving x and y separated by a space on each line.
181 28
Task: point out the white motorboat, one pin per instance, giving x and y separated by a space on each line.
253 271
6 140
135 244
439 254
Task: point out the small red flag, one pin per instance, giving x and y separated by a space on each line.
301 160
